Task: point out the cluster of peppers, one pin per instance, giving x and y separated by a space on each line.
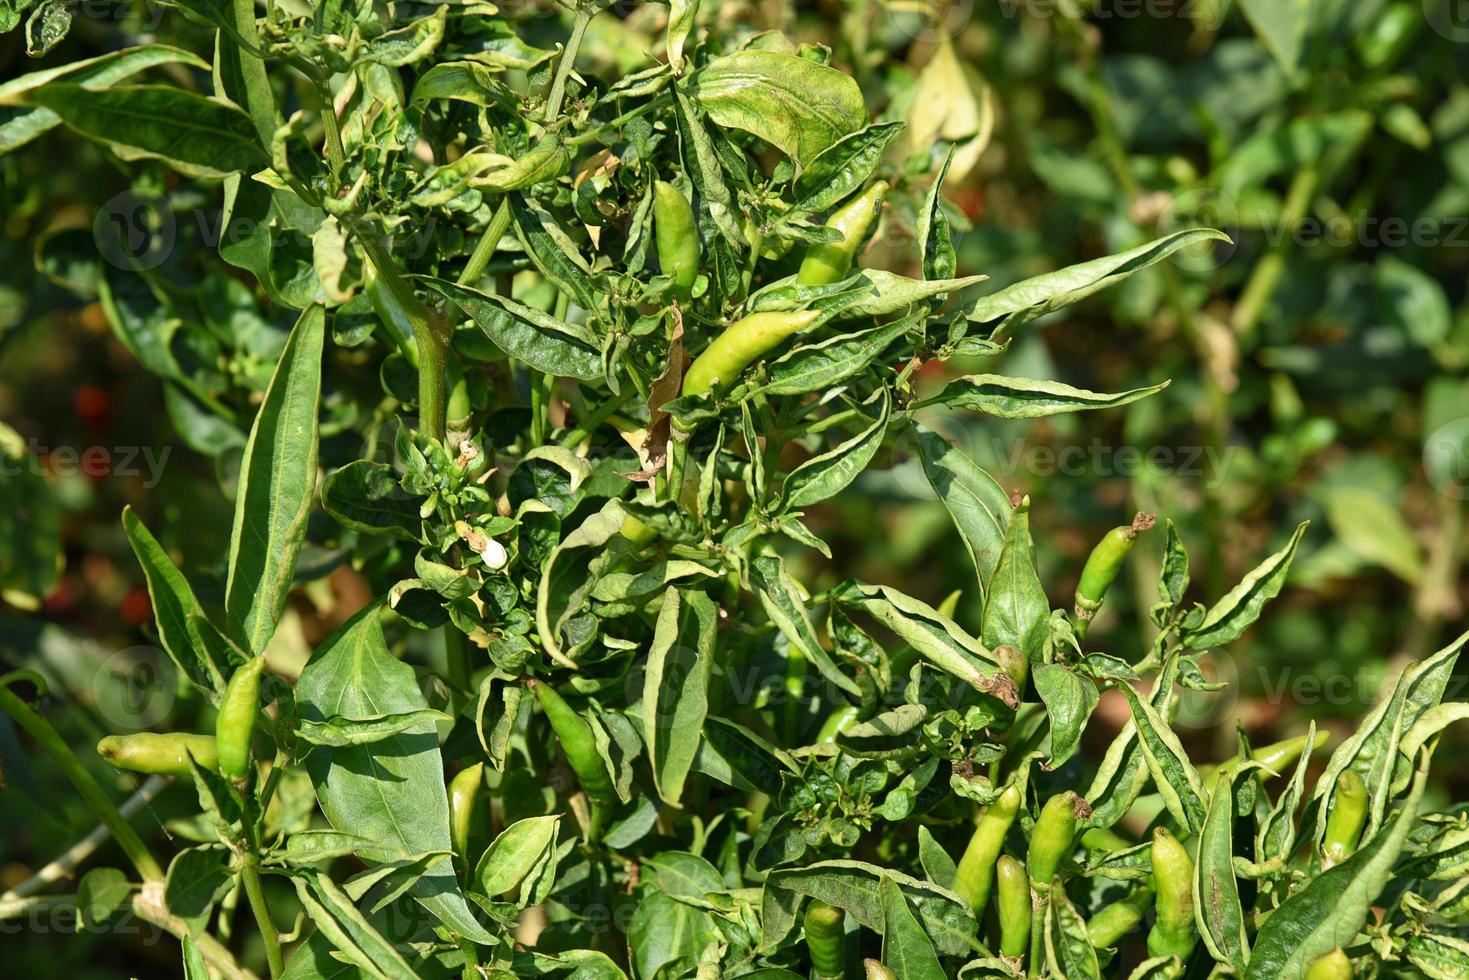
227 750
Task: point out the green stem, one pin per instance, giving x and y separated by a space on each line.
336 153
540 404
593 421
251 876
484 250
430 333
567 62
91 791
456 657
1268 271
594 135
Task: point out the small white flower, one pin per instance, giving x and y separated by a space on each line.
494 555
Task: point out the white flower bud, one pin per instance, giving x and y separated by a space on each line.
494 555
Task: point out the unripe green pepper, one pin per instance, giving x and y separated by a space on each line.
742 342
976 870
1390 35
826 939
1174 932
1012 906
234 727
677 237
1275 757
578 742
1102 566
837 722
1349 806
1051 838
163 755
829 262
1335 965
1114 921
463 801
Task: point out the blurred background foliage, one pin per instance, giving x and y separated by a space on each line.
1318 363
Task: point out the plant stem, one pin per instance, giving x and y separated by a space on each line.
251 876
484 250
430 334
41 730
67 863
1267 272
592 135
591 423
148 905
336 154
567 62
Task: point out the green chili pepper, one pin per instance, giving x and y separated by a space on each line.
1390 35
1114 921
1174 932
876 971
829 262
1335 965
837 722
577 742
1102 566
1275 757
1052 837
1012 906
976 871
741 343
1349 805
165 755
678 239
826 939
235 725
463 800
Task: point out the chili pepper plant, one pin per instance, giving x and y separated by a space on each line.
562 363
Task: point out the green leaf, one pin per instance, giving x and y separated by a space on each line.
1068 950
1173 774
527 334
1217 907
1123 773
828 474
905 946
515 861
1016 611
355 939
1027 398
391 791
1332 909
837 172
197 878
338 731
824 365
781 599
676 687
892 293
1277 835
978 505
368 497
936 637
756 761
101 892
30 526
796 105
1228 618
19 124
1025 301
854 887
277 483
667 937
1375 530
1281 25
197 136
173 604
1069 699
1373 749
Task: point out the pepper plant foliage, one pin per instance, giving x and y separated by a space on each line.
643 747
